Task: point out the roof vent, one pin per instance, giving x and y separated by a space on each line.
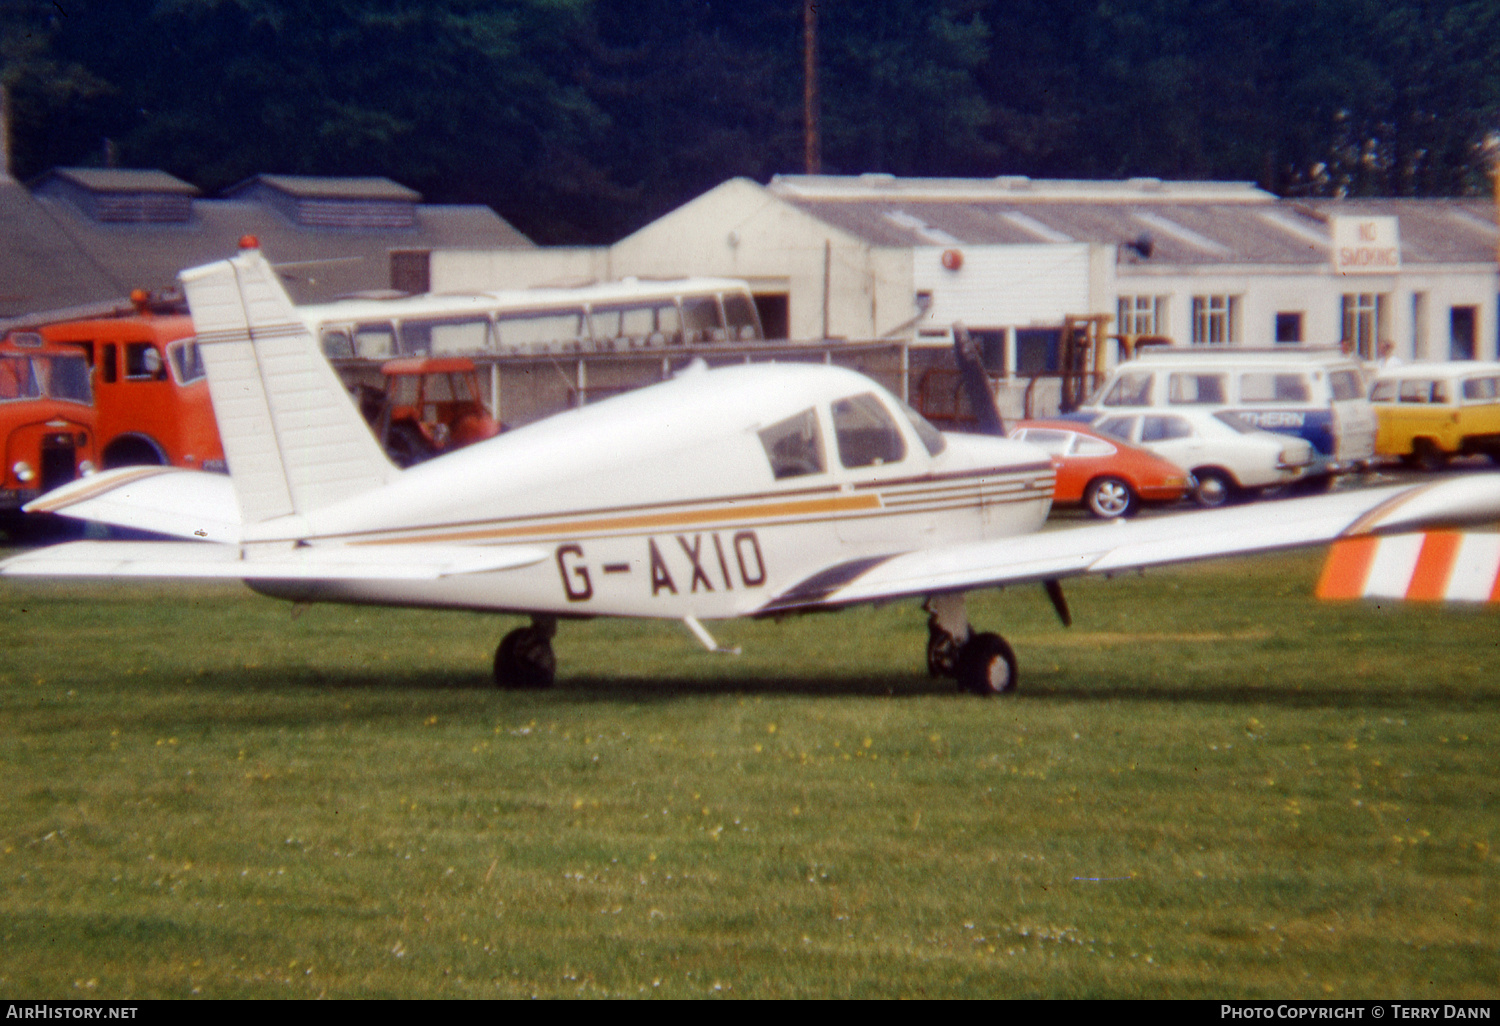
116 196
312 202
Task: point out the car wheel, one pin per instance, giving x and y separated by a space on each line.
1215 488
406 446
1425 455
1108 498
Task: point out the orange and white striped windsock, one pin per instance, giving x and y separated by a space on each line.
1437 566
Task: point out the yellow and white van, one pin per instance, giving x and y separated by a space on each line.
1428 412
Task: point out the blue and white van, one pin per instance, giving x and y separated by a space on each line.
1314 393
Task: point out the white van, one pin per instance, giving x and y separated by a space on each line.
1317 394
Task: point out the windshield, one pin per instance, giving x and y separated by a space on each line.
931 437
35 377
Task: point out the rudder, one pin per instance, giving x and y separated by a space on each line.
293 438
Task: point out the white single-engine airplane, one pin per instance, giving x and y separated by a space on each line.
748 491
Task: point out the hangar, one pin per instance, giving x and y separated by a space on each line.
1208 263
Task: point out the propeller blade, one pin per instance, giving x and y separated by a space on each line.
976 382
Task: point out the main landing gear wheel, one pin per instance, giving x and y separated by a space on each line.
987 665
525 658
983 664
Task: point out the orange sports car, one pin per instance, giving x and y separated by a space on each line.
1109 477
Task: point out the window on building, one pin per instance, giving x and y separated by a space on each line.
1363 317
1214 320
1288 328
1143 315
1463 321
411 270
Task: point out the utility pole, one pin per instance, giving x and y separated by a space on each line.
811 136
4 133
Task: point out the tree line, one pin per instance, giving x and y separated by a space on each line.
580 120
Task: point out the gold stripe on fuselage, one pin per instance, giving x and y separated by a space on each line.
917 496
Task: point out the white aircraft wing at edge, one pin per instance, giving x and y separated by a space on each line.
207 560
1120 545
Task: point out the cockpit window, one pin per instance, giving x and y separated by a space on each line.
866 432
931 437
794 446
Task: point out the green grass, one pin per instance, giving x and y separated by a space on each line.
1210 786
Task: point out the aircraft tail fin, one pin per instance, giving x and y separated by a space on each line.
1433 566
293 438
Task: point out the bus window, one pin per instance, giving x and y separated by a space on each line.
375 341
1482 389
336 343
656 324
739 315
540 329
1130 390
1270 387
1195 389
700 320
469 335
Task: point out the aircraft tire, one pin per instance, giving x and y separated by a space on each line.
525 660
987 666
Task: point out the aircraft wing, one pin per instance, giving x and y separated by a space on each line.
1434 566
1121 545
185 503
207 560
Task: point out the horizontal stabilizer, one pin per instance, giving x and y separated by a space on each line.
200 560
185 503
1437 566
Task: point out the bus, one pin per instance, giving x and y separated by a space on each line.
623 316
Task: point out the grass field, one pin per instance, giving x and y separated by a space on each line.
1210 786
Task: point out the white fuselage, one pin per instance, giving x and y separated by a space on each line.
664 503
